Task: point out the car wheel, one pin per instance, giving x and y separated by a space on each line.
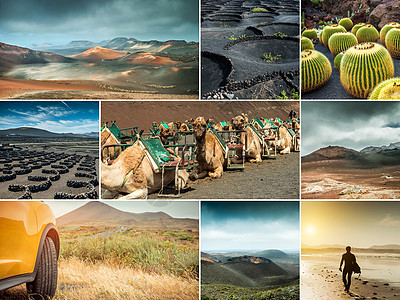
45 283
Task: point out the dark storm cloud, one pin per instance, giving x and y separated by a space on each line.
99 19
351 124
248 225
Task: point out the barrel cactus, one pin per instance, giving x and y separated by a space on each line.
321 40
341 41
367 33
310 33
337 60
385 29
346 23
315 70
392 42
306 43
387 90
363 67
331 29
356 27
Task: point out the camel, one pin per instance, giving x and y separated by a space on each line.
284 143
107 138
132 173
209 153
253 145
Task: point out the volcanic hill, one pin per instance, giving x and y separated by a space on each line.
11 55
95 212
98 53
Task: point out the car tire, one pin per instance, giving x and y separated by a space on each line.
45 283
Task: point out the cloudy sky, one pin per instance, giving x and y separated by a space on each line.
354 223
248 225
54 116
350 124
27 22
176 209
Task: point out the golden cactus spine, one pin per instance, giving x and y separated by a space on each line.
387 90
367 33
310 33
363 67
385 29
341 41
337 60
392 42
346 23
356 27
315 70
331 29
306 43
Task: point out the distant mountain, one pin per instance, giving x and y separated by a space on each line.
36 132
99 53
95 212
391 146
386 247
80 44
98 211
117 42
331 153
11 55
272 254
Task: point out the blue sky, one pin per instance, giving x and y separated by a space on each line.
249 225
54 116
27 22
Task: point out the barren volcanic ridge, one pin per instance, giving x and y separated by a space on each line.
95 212
337 172
116 69
250 49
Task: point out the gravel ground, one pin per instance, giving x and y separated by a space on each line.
271 179
334 89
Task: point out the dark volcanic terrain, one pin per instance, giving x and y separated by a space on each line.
250 49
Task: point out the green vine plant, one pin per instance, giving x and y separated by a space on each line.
280 34
271 58
233 38
293 95
259 9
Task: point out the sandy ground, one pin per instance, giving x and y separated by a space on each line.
271 179
343 180
57 186
334 89
70 89
321 279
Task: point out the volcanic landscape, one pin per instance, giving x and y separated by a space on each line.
37 164
120 68
341 173
250 49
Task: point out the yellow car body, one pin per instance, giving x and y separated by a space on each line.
24 227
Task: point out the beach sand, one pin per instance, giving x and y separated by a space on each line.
321 279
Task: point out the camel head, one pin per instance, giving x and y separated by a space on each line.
178 124
199 127
164 133
240 121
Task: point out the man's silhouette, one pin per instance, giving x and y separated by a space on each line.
349 261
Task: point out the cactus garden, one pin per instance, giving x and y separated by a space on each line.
361 45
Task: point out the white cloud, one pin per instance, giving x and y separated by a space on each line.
390 221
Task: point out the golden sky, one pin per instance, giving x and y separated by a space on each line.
356 223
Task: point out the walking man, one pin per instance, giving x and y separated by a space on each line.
349 260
